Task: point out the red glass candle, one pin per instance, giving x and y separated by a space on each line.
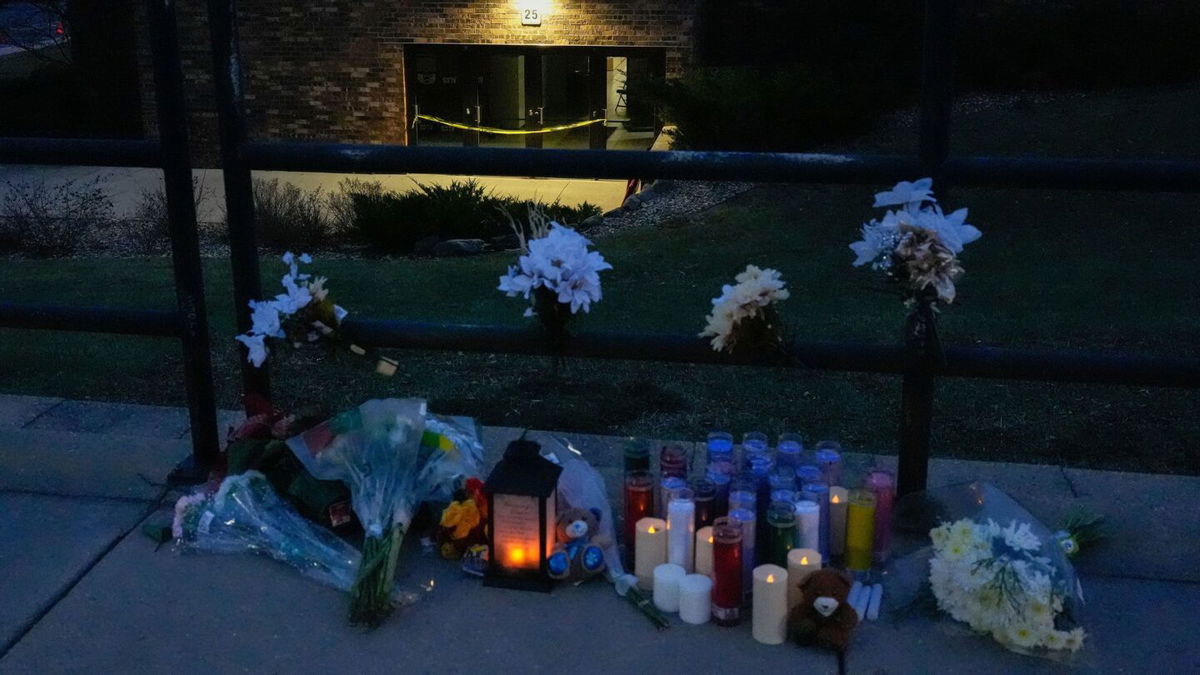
672 461
727 572
639 503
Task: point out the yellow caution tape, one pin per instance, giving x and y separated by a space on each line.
508 132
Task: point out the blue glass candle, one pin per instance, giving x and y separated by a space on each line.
829 459
760 469
745 518
666 488
743 493
721 480
809 473
720 447
783 496
790 451
783 478
819 493
754 444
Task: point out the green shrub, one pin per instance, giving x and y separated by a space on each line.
47 220
149 231
394 222
286 216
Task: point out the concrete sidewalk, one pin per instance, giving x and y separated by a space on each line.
84 591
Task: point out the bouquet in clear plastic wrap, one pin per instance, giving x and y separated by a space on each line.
245 515
991 565
393 456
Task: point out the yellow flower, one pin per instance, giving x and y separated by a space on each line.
462 516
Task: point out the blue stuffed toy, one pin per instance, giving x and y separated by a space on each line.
579 549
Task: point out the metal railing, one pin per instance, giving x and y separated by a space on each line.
189 320
240 155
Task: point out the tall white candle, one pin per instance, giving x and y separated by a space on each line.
650 550
838 496
681 529
770 607
704 550
695 599
801 563
861 601
666 586
876 600
808 524
856 590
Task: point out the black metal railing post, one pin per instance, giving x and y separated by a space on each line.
239 187
937 86
185 243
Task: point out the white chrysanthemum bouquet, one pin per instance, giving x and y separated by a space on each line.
303 314
999 580
745 316
916 245
558 274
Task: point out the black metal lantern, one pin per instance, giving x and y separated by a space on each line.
521 514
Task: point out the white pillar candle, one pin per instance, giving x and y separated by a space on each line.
852 599
876 600
861 601
681 529
695 599
666 586
704 551
808 524
770 604
801 563
838 496
649 550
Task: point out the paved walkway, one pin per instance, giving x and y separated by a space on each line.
82 590
125 186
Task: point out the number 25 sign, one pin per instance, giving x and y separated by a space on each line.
531 16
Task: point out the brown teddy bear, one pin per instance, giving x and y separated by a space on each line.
579 549
823 617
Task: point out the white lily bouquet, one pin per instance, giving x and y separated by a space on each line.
916 245
745 316
558 274
303 314
996 568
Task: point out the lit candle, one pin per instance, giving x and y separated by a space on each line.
681 529
650 550
770 604
837 520
704 551
639 503
808 524
801 562
883 485
666 586
860 530
695 599
727 572
746 520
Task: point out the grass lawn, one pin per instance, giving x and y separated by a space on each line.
1054 269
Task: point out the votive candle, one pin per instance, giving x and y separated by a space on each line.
801 562
704 550
727 572
860 530
838 497
808 524
754 443
650 550
746 520
695 599
704 494
883 485
666 586
720 474
828 457
808 473
770 604
781 519
681 529
639 503
789 451
720 447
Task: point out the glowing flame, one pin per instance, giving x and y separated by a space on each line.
770 578
834 499
804 560
652 530
516 556
710 540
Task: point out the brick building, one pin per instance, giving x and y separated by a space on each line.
360 70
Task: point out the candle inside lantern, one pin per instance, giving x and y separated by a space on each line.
883 485
746 520
808 524
681 529
639 503
801 562
666 586
818 493
781 519
727 572
695 599
838 497
770 604
704 550
650 549
860 530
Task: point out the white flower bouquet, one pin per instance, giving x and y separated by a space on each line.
303 314
996 568
558 274
917 244
745 315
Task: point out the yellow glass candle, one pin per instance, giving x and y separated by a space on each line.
704 551
801 563
860 530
